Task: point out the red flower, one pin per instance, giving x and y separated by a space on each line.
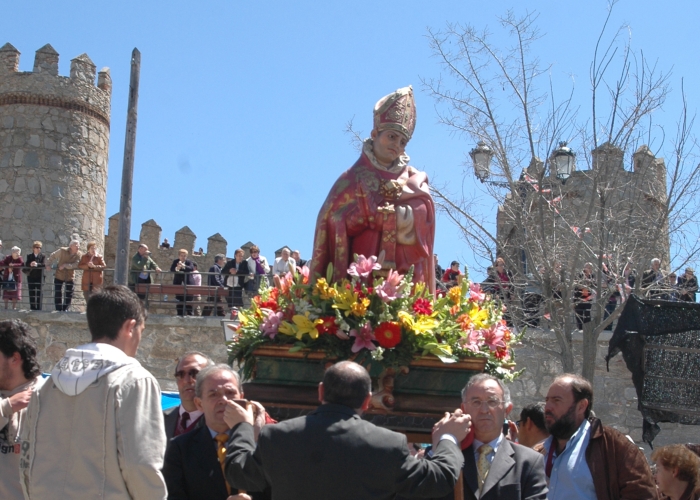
423 306
388 334
328 326
501 353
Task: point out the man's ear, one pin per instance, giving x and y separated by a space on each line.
198 403
320 392
127 329
366 402
509 408
374 133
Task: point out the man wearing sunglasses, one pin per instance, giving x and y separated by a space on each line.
186 416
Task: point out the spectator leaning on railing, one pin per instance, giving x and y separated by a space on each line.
35 265
141 263
66 259
12 277
92 265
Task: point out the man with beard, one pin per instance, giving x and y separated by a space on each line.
585 459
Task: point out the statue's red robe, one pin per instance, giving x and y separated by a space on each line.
352 221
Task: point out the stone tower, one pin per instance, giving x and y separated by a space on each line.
54 144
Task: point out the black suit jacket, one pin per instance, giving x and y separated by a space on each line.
516 473
171 417
333 454
179 276
241 272
35 274
191 468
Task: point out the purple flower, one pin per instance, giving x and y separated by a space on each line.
387 291
364 266
363 339
271 324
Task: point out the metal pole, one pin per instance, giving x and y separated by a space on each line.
122 263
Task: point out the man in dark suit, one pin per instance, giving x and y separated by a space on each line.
333 454
193 462
495 468
34 269
183 267
216 279
186 416
234 274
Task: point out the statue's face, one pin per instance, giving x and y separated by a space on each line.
388 146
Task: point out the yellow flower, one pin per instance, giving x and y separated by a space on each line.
243 318
425 324
406 320
287 328
479 317
455 294
324 290
359 308
345 301
306 325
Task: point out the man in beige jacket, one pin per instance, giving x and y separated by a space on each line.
67 260
95 429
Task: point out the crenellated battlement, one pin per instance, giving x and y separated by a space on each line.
44 85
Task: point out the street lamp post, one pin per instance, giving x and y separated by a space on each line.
482 155
564 161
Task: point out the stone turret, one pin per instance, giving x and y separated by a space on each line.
54 145
150 234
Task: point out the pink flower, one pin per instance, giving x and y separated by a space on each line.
475 292
364 266
363 339
493 337
271 324
387 291
471 342
304 272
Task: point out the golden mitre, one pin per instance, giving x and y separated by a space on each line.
396 111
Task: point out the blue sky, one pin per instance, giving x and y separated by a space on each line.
243 105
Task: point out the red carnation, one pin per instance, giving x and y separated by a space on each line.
423 306
388 334
328 326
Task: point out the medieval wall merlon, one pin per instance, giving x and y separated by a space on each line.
104 80
46 60
82 69
216 244
150 233
185 238
9 59
607 157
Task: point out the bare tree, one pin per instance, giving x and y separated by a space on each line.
605 214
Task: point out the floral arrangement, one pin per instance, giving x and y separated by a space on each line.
371 319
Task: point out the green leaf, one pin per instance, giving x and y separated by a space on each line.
329 273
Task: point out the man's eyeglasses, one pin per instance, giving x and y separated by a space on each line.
476 404
182 373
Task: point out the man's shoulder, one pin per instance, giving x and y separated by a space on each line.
524 453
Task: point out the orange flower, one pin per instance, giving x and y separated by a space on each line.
465 322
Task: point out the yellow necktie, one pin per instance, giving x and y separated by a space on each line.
483 465
221 440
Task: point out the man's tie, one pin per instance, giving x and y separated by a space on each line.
182 425
483 465
221 440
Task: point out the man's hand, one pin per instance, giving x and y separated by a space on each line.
235 414
512 432
458 424
240 496
20 400
259 423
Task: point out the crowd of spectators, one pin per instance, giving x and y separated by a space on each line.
95 429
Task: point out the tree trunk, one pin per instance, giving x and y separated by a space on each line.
590 351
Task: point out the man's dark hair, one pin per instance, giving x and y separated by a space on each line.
14 337
581 388
534 413
108 309
346 383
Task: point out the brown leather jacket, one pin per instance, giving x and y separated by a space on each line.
619 468
92 277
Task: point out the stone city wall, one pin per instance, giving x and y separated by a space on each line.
166 338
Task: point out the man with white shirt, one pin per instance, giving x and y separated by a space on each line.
284 264
495 468
186 416
585 459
